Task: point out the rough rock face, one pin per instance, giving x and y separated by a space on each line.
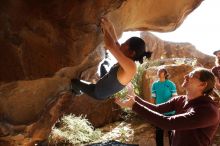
40 37
163 49
46 43
152 15
144 133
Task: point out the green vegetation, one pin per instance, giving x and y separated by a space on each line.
137 80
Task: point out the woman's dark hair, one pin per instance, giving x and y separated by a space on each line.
166 74
138 46
206 76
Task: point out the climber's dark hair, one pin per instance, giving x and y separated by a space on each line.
138 46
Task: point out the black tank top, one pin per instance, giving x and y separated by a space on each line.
109 83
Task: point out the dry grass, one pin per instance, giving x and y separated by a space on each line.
74 130
78 131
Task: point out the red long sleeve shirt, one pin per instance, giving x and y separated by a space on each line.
194 123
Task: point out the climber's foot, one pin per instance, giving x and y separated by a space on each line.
73 87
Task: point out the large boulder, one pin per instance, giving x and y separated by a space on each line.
166 49
40 37
44 44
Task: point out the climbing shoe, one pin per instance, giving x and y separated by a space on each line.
74 88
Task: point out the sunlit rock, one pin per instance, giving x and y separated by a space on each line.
164 49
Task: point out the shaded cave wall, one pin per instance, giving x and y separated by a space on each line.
40 37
